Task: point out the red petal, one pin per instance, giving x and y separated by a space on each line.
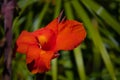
53 25
38 61
70 34
24 40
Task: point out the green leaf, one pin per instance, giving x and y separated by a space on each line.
95 36
79 63
28 25
77 51
40 17
68 10
100 11
16 25
66 62
54 62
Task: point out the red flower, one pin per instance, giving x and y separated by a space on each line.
42 45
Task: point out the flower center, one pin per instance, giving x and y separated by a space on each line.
42 40
46 39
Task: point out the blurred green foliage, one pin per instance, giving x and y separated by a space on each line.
97 58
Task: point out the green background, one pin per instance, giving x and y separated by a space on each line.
97 58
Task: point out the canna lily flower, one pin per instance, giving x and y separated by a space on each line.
42 45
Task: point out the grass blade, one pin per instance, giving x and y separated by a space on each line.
54 62
95 36
77 51
40 17
68 10
67 63
100 11
79 62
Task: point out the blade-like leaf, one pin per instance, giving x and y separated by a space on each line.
95 36
79 62
54 62
100 11
28 25
77 51
66 62
40 17
68 10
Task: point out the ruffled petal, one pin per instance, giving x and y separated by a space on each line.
24 40
38 61
70 34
